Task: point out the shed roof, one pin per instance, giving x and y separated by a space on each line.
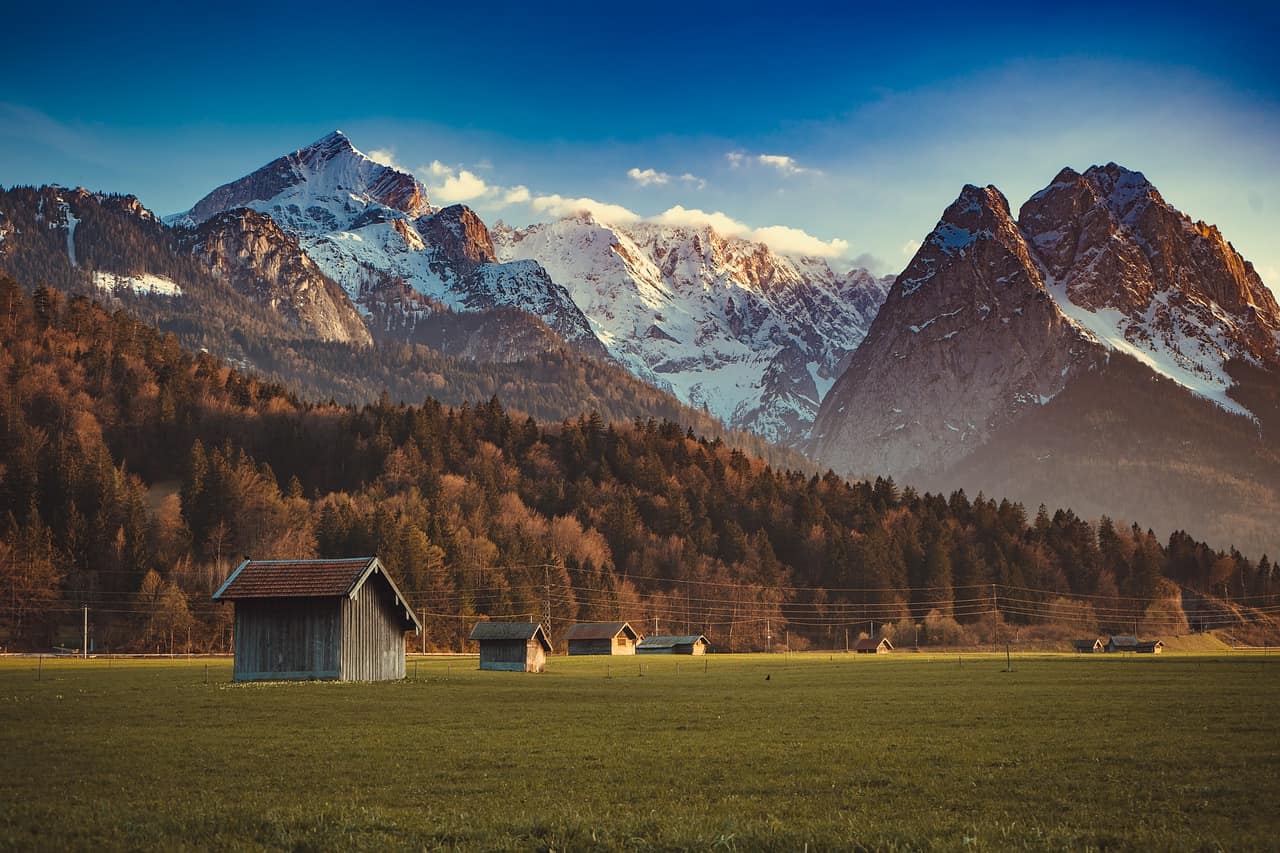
510 631
600 631
327 578
871 643
671 642
1124 641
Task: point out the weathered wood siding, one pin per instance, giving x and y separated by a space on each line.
692 649
287 639
621 645
372 636
513 655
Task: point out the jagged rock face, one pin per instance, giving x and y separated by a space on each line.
723 323
369 227
967 338
458 235
326 185
249 251
1126 265
1097 263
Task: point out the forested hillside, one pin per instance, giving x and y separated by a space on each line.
134 475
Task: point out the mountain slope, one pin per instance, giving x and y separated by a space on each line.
1004 342
369 226
727 324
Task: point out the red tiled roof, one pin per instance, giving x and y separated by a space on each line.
294 578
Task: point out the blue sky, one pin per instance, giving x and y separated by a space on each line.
843 128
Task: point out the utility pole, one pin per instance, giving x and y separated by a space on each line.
546 602
85 648
768 637
846 639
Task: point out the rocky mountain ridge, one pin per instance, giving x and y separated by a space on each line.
727 324
993 315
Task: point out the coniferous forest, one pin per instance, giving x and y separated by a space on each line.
134 475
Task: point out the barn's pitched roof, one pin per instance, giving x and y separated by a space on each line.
871 643
510 631
1124 642
331 578
671 642
600 631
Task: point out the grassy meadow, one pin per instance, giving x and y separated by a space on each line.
903 751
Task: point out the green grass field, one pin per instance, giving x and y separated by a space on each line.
894 752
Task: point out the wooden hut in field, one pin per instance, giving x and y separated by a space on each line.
1122 644
1150 647
602 638
341 619
872 646
1089 647
512 646
692 644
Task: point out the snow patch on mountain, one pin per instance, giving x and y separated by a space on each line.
1191 353
724 323
145 284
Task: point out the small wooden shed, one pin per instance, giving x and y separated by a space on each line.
691 644
1150 647
1122 644
1089 647
872 646
512 646
341 619
602 638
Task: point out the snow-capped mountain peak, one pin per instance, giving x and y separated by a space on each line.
327 185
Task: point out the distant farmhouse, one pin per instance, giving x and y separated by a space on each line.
872 646
1122 644
512 646
340 619
1133 644
694 644
602 638
1089 647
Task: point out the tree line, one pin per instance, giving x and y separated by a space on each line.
134 475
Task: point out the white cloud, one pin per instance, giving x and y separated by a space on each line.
910 247
458 185
780 238
558 205
516 195
722 222
796 242
697 182
784 164
647 177
384 157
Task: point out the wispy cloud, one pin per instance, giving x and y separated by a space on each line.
782 163
694 180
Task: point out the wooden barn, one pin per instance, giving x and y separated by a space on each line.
1150 647
1089 647
602 638
872 646
1122 644
338 619
512 646
693 644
